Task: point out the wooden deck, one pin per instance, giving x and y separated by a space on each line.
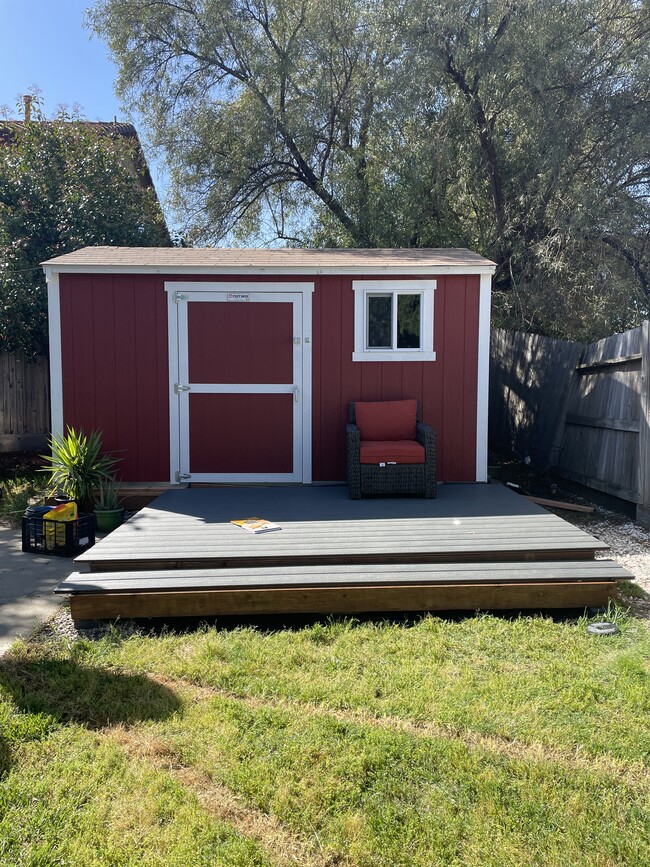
474 546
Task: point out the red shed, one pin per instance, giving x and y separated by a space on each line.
217 365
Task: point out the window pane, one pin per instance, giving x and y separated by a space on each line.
408 321
379 320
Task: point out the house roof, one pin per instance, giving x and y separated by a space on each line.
417 260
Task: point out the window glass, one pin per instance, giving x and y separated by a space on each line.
379 320
408 321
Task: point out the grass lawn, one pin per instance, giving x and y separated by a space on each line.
482 741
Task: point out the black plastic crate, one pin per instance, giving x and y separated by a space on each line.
62 538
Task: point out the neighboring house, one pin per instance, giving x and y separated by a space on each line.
140 170
239 365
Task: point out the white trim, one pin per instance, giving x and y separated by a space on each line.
306 401
483 378
174 376
56 359
224 286
427 269
363 288
240 388
299 295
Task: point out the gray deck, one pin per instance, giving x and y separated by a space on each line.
324 576
474 546
320 525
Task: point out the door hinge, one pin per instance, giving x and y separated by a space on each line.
178 388
180 296
180 477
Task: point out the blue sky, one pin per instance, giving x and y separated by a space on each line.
44 43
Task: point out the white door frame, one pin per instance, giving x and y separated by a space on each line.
178 293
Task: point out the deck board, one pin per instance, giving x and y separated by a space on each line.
473 547
321 576
322 525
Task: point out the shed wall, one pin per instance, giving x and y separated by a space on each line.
115 368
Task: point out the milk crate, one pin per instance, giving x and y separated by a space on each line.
61 538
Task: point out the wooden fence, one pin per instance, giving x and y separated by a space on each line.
24 403
530 380
582 410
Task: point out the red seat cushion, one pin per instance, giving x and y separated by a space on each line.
386 419
391 451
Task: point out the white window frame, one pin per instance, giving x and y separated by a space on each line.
363 289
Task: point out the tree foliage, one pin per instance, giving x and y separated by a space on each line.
63 185
517 128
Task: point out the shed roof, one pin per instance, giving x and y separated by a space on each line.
265 260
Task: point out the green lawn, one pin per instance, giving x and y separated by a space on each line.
484 741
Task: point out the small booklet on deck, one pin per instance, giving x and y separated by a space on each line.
256 525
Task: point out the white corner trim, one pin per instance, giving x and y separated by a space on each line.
56 360
483 377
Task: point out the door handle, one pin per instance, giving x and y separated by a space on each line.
296 393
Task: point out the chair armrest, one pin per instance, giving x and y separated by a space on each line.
353 439
426 436
352 450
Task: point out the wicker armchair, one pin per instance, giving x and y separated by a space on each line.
369 474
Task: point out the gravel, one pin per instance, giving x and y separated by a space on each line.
629 545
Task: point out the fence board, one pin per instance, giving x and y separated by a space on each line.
24 402
530 379
600 446
600 408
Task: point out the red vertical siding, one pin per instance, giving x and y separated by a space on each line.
115 367
446 388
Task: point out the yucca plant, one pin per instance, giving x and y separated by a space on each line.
77 466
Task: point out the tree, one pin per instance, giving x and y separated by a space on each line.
64 184
513 127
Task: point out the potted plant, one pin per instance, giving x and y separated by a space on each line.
77 466
108 511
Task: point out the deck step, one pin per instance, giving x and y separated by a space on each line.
168 580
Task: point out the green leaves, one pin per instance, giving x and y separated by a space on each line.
77 466
516 129
63 185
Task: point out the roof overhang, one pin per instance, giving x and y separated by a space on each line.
272 262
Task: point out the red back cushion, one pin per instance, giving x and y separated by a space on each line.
386 419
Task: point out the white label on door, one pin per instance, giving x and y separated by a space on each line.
239 296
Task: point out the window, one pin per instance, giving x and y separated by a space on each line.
393 320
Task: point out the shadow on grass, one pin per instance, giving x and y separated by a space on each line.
273 623
49 693
88 695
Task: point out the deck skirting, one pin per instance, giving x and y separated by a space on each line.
339 600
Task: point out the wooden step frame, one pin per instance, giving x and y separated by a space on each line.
320 590
349 598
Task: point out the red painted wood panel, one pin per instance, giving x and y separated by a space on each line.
247 342
241 433
115 367
446 388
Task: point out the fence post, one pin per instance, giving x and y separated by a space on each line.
643 506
